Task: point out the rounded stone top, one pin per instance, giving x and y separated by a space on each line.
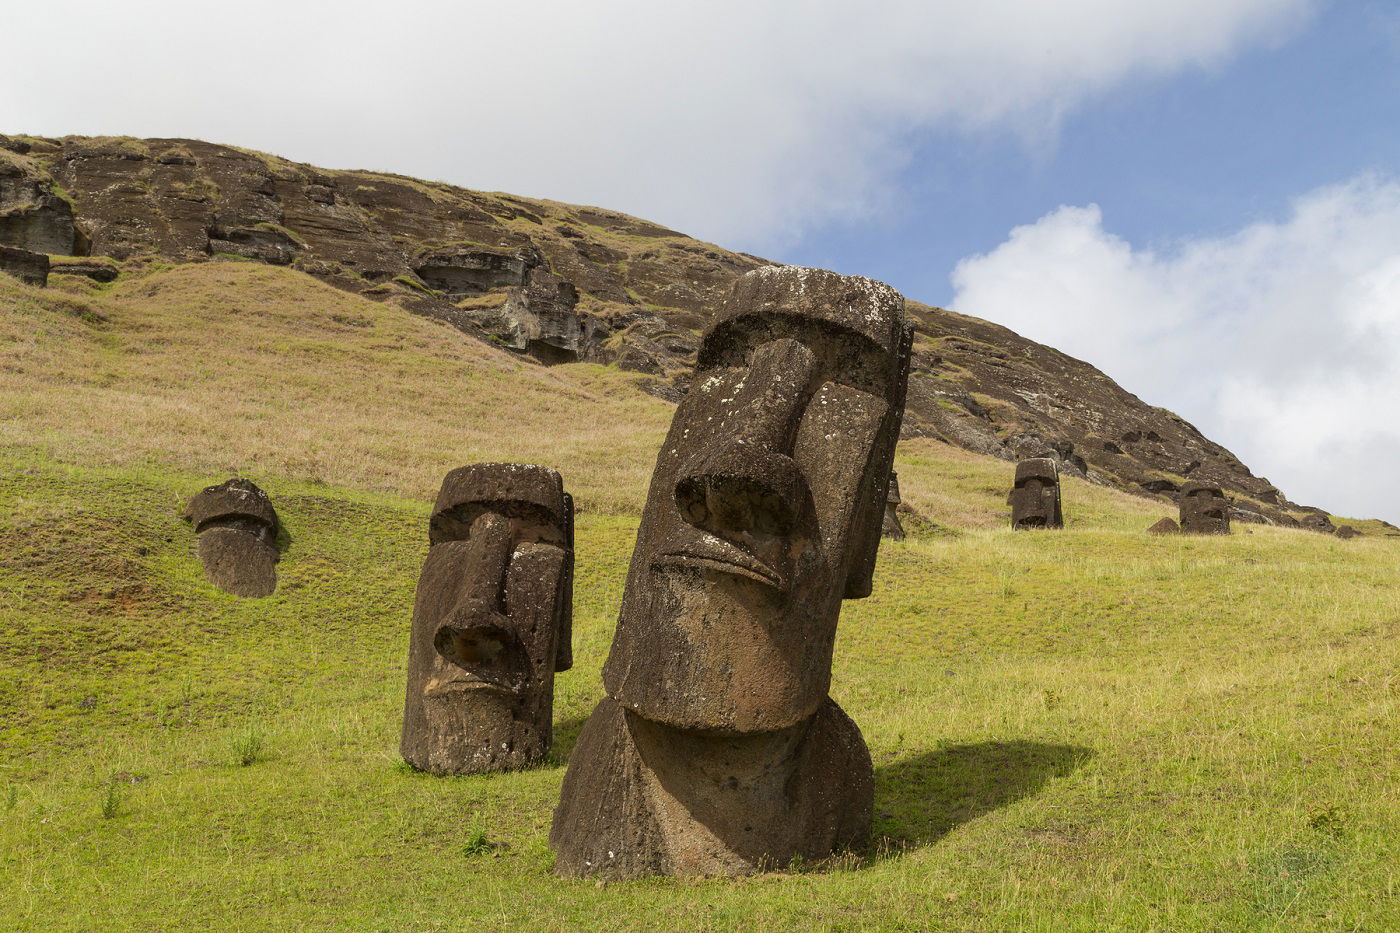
1197 486
537 486
1037 468
233 499
870 308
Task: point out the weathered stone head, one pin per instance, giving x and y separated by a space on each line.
1318 521
717 748
766 505
1204 509
1035 497
892 528
237 529
492 621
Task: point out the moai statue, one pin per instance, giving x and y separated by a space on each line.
1346 532
1164 526
1318 521
492 621
717 750
1204 510
237 529
1035 498
892 528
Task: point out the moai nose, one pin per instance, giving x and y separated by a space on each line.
748 482
488 559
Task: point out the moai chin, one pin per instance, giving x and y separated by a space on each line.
1035 497
1204 510
237 528
492 621
717 750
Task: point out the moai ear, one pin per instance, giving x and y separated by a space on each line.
870 520
564 639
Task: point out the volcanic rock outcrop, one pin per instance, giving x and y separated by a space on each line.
717 750
496 266
237 528
492 621
1204 510
1035 497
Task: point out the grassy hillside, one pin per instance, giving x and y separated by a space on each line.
1084 730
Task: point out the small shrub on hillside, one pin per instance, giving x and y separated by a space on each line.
248 746
111 799
477 843
1331 820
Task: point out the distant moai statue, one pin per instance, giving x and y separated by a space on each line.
1164 526
1035 497
1346 532
1318 521
717 750
892 528
492 621
1204 509
237 544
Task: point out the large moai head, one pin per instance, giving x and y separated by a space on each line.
717 750
1035 497
492 621
1204 509
766 505
237 528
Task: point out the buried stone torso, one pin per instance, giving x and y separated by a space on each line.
764 512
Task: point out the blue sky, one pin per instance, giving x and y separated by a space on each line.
1202 152
1200 197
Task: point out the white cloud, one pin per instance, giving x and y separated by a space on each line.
739 121
1281 341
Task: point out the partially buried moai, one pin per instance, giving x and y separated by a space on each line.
237 544
1204 510
1035 496
717 750
492 621
891 527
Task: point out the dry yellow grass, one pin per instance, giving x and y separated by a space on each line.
225 367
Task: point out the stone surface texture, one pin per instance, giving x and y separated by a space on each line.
1204 510
29 267
237 528
1035 497
718 750
1164 526
492 621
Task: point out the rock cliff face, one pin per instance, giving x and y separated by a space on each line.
561 282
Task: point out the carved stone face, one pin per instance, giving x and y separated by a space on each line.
766 505
1035 499
237 529
491 622
1204 510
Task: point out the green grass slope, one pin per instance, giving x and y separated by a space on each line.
1093 729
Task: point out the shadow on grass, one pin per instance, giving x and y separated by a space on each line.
920 799
565 736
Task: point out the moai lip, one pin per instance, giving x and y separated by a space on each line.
1035 497
891 527
237 544
717 750
1204 509
492 621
